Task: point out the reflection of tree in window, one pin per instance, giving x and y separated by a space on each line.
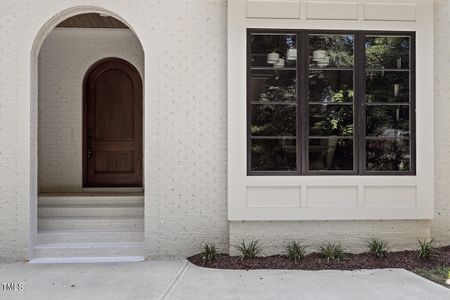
273 120
339 48
331 86
278 88
388 155
273 154
387 52
331 120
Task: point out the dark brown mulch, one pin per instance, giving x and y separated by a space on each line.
403 259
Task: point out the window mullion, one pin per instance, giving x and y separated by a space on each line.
360 103
303 90
299 109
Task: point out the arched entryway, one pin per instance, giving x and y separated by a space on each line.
112 125
87 71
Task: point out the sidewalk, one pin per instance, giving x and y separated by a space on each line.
182 280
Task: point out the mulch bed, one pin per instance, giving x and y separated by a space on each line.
403 259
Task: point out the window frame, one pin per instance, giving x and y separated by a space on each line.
359 103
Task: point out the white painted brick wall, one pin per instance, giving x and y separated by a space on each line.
64 59
440 227
185 118
184 42
185 135
353 235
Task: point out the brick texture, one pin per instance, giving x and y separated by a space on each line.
440 227
184 45
353 235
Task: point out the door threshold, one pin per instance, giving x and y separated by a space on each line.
113 189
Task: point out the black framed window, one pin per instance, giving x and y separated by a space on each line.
330 102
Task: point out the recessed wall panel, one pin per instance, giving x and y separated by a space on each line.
390 11
390 196
273 196
332 10
273 9
332 196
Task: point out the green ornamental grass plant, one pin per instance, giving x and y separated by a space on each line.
295 250
209 252
332 251
251 250
425 248
378 248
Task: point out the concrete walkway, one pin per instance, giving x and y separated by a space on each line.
182 280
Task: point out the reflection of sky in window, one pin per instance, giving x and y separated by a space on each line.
348 37
331 41
290 41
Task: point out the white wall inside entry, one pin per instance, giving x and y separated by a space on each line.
64 59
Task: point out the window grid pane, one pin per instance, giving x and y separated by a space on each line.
388 110
272 102
331 92
350 96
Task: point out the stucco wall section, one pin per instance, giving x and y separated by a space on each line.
64 59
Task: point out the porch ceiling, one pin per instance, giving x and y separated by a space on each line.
92 20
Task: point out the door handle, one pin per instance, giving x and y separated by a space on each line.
90 152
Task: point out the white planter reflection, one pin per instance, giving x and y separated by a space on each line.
280 64
321 58
291 54
273 58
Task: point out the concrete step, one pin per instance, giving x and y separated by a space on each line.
90 223
97 236
100 199
77 250
91 210
86 260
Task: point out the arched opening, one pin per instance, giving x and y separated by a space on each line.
88 138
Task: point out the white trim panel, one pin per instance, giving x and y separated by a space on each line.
273 9
332 196
332 10
390 196
277 196
390 11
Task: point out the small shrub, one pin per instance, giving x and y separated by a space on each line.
295 250
209 252
332 251
251 250
425 248
378 247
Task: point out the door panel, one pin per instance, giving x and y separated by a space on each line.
114 161
113 108
113 125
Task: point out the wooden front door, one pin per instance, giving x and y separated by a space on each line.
112 125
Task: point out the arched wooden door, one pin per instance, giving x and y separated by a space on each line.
112 117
